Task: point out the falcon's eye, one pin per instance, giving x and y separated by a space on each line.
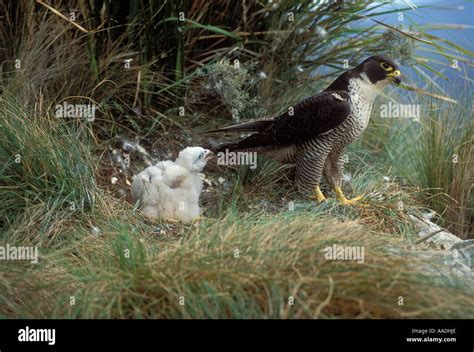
386 66
201 155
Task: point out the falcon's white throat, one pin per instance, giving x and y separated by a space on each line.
365 88
362 93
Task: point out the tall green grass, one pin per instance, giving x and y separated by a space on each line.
432 155
46 166
439 160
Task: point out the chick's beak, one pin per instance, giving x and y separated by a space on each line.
209 155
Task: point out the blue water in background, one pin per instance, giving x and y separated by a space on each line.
440 12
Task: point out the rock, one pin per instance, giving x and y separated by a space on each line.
460 265
463 251
457 254
129 146
126 145
442 240
117 159
429 215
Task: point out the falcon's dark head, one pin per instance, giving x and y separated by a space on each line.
379 68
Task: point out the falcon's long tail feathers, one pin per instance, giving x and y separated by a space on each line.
253 126
222 148
252 142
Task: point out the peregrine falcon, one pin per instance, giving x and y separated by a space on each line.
313 134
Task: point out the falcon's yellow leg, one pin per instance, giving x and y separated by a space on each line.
318 195
342 198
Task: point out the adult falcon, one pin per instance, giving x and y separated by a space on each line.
313 134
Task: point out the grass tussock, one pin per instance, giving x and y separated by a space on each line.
433 156
441 164
45 168
250 267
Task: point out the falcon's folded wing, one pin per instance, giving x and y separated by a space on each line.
307 120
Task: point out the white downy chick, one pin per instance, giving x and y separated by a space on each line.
144 190
171 190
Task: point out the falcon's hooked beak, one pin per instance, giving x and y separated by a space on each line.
208 155
394 77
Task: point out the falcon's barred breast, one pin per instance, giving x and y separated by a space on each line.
314 133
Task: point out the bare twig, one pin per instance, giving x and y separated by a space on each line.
428 236
324 303
56 12
392 28
138 88
400 31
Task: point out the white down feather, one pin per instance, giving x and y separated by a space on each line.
171 190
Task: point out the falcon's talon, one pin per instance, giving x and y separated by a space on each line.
355 199
318 195
342 198
352 201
